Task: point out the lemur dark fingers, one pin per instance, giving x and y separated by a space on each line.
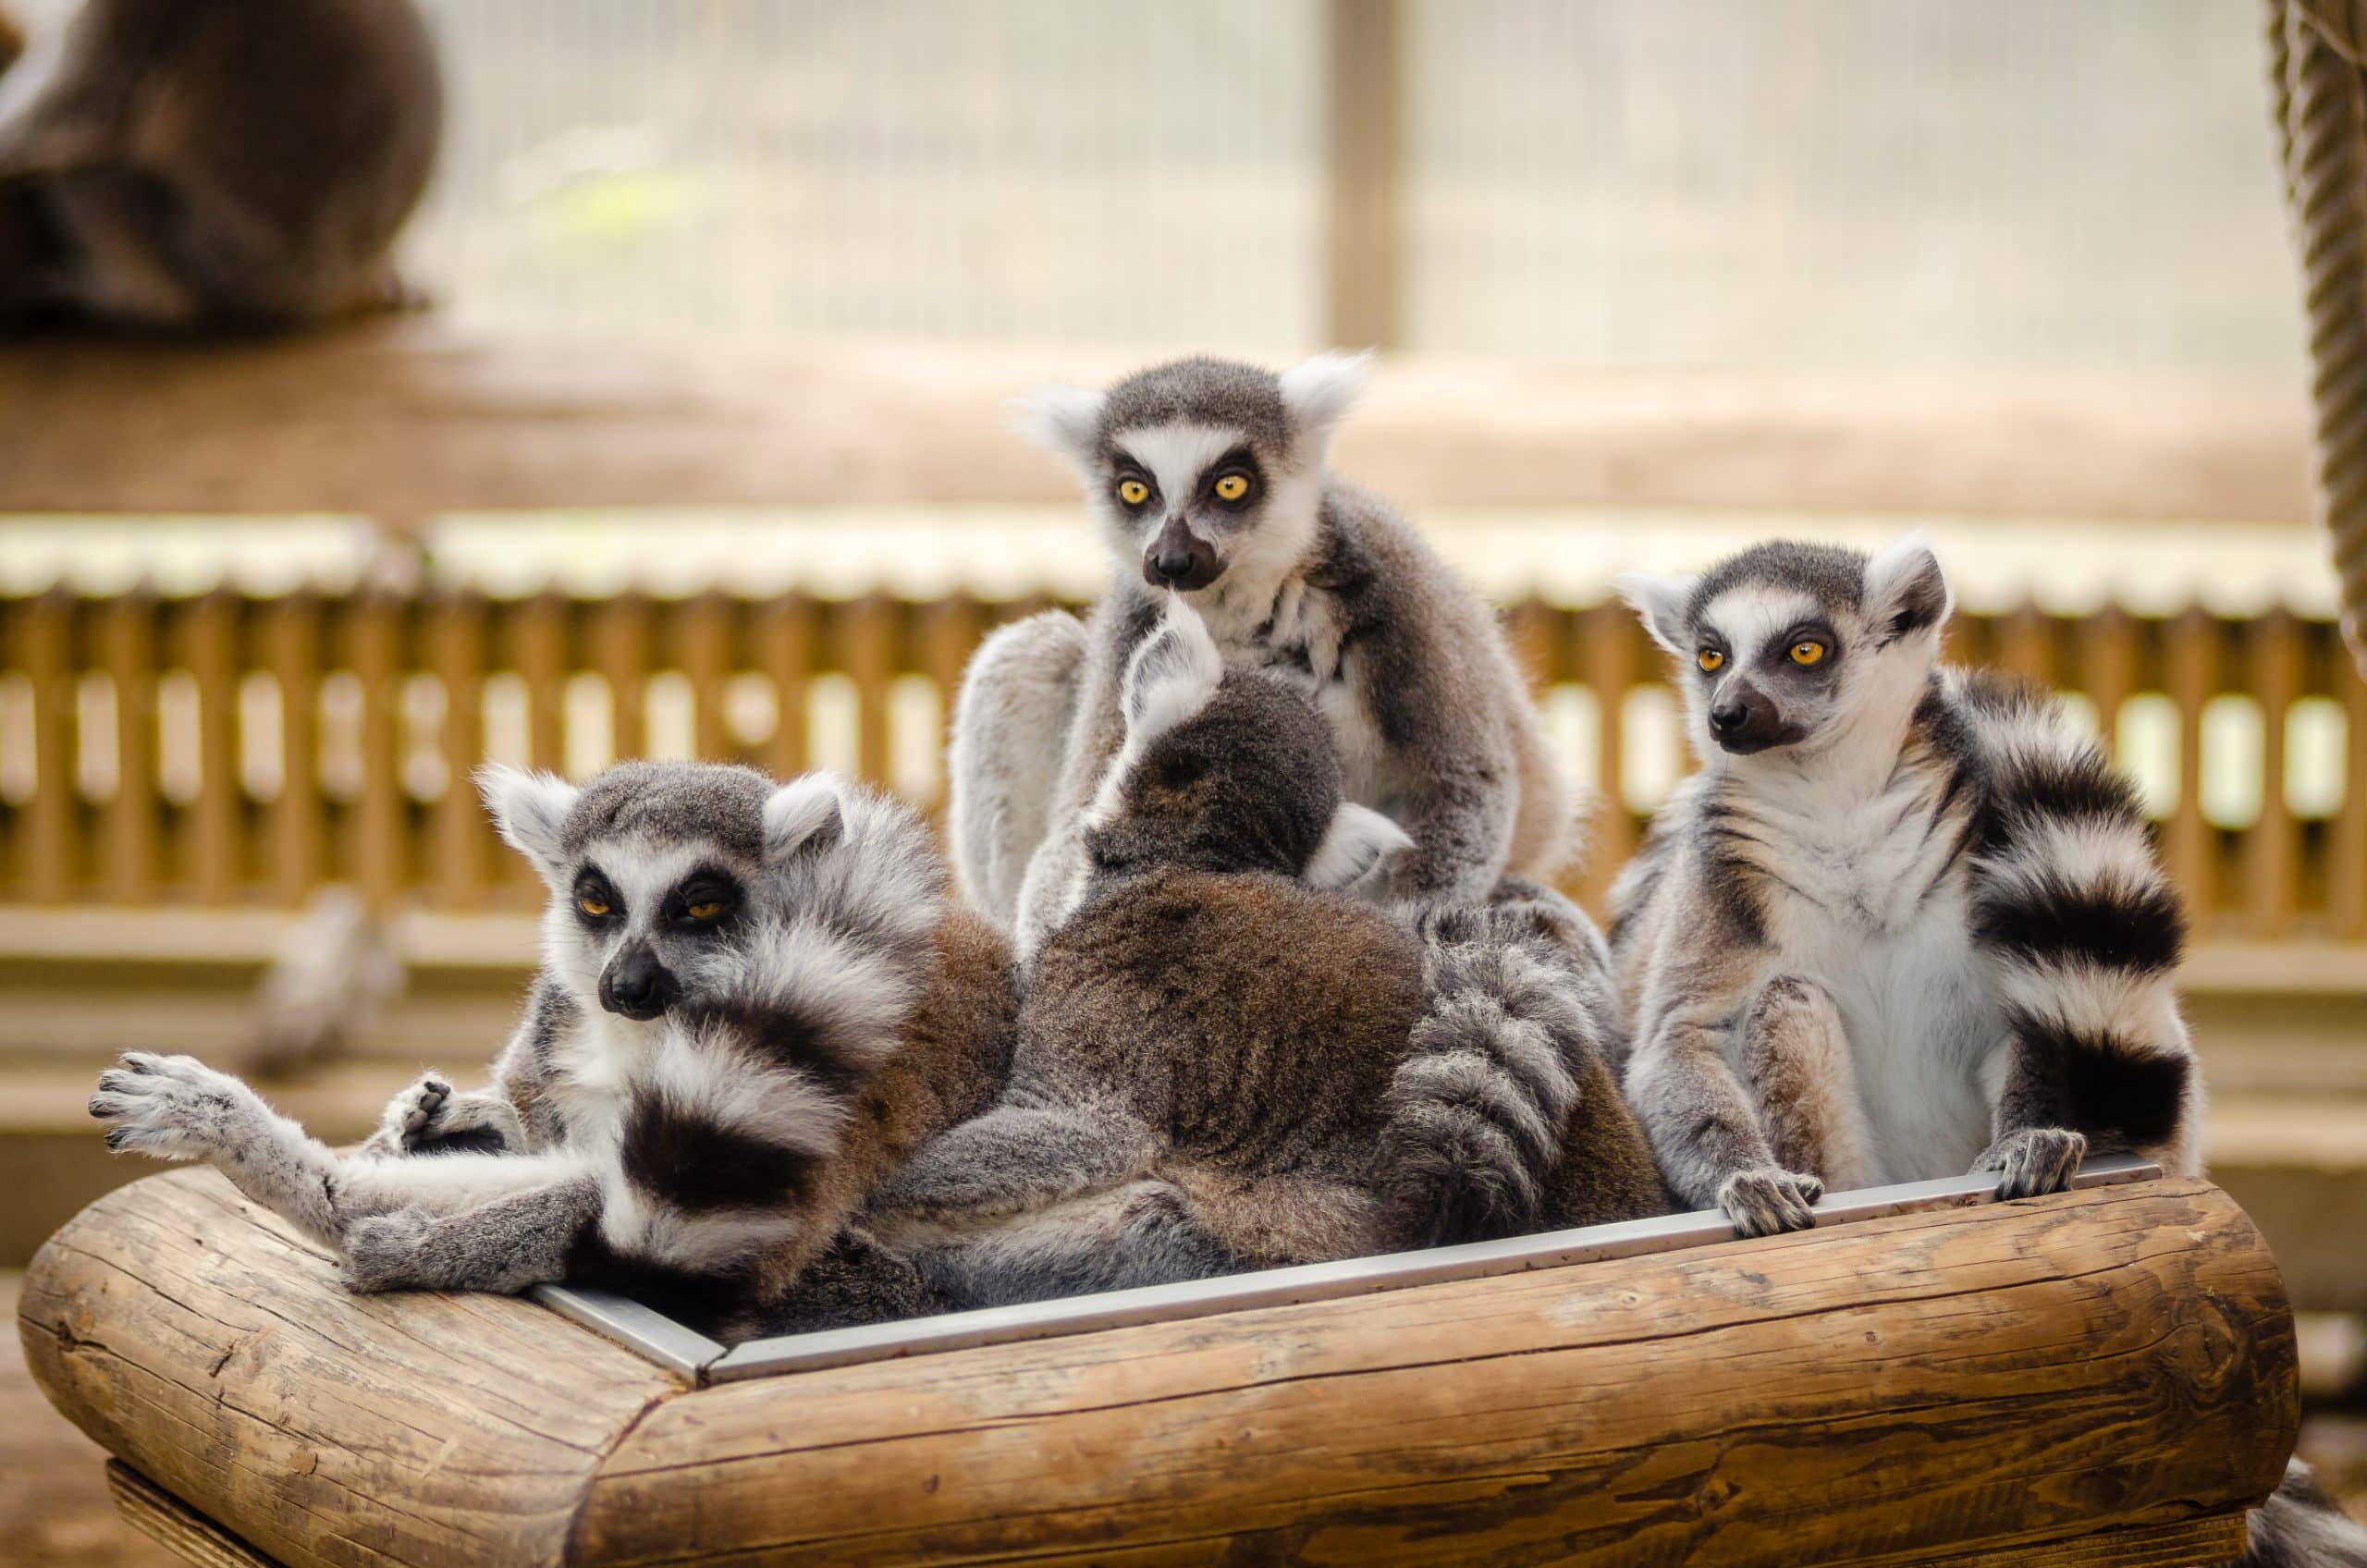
175 1108
2035 1161
1768 1203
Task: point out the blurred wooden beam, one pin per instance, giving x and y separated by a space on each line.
1362 273
418 419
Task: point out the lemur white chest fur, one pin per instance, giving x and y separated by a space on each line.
592 1070
1867 895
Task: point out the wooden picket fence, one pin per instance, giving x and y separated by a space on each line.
224 750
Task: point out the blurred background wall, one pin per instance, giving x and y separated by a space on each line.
700 452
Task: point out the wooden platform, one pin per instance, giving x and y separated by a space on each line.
2102 1378
407 420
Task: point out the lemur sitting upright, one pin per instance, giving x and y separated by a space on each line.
1208 480
1225 1064
755 1000
1905 921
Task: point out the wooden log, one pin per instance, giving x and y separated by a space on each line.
204 1344
2104 1378
1898 1389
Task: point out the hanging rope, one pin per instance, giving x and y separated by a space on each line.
2316 84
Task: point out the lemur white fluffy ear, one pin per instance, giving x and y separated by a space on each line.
1172 675
805 814
529 809
1320 392
1906 590
1659 603
1060 418
1353 846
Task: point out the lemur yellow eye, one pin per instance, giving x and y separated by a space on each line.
1807 650
706 911
592 906
1232 487
1708 658
1134 492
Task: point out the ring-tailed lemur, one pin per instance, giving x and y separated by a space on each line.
238 164
1208 478
1906 921
1224 1063
755 1000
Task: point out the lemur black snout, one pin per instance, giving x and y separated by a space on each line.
636 985
1743 720
1180 558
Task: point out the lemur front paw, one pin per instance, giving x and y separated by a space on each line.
2035 1160
381 1251
1769 1202
176 1107
413 1117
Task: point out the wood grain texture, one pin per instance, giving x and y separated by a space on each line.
2076 1381
2203 1543
173 1524
1900 1390
199 1340
411 419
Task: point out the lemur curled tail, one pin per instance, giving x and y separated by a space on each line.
1210 480
1907 921
756 999
1226 1063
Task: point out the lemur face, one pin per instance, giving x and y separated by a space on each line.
656 871
1780 647
1202 470
1224 771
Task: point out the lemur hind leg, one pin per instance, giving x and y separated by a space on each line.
1013 1159
176 1107
1017 705
1147 1232
507 1245
1793 1054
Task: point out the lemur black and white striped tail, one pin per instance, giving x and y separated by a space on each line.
726 1150
2080 927
1476 1112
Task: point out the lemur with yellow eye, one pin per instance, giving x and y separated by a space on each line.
756 999
1905 921
1208 480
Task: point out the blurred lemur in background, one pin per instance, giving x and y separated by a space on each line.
755 1000
1208 478
199 164
1225 1062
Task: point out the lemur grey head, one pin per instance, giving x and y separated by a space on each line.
1202 467
658 870
1786 644
1224 770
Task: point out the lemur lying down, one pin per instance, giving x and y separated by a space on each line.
1905 921
1225 1064
755 1000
